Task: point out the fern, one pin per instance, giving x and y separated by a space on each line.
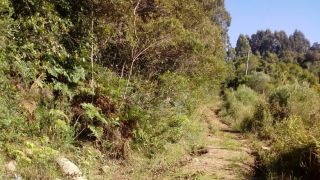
77 75
56 113
63 88
93 112
96 131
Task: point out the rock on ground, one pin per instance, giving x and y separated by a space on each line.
69 169
11 166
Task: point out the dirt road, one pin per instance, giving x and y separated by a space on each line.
225 156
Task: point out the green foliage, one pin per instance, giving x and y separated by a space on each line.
243 47
172 108
259 81
286 115
285 118
240 106
295 100
240 63
94 120
278 42
93 112
34 159
295 149
285 73
6 24
59 130
121 75
106 73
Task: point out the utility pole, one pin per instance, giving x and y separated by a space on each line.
92 51
247 66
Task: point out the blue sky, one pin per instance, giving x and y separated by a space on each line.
248 16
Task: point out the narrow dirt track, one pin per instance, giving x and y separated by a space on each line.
226 155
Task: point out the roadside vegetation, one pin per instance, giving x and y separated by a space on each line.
274 98
101 82
117 88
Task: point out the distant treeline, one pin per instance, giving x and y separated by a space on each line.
295 48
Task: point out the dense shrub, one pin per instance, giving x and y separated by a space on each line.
169 108
259 81
288 73
286 119
295 149
297 100
114 75
289 122
240 106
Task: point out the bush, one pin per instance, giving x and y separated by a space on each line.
295 150
260 122
259 81
295 99
289 123
135 76
240 106
166 115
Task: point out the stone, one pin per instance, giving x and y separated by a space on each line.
69 169
266 148
29 152
11 166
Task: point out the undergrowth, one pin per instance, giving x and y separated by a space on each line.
285 124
